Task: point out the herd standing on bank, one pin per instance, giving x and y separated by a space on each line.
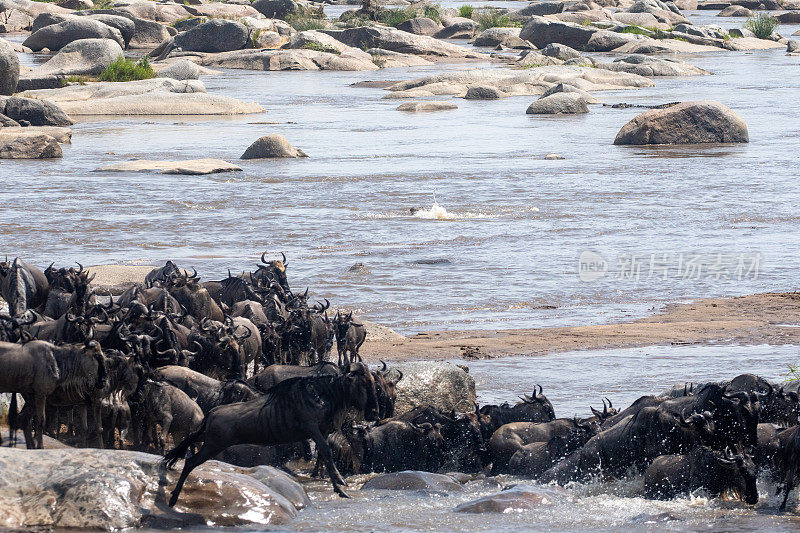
245 361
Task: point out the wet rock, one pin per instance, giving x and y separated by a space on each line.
413 480
420 26
275 8
180 70
57 36
553 157
109 489
435 261
519 498
644 65
685 123
442 385
84 57
282 483
416 107
35 112
560 51
559 104
460 28
25 146
216 35
647 518
483 92
359 268
9 68
272 146
126 27
735 11
508 37
541 32
62 135
189 167
399 41
790 17
188 24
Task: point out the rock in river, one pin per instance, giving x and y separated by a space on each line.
35 112
685 123
271 146
84 57
9 68
191 166
542 31
519 498
57 36
560 103
427 106
443 385
413 480
24 146
112 489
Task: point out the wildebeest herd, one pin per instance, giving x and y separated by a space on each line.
239 369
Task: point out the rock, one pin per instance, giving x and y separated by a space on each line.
188 24
791 47
541 32
313 39
790 17
559 104
190 167
35 112
288 59
112 489
399 41
389 59
126 26
567 88
443 385
685 123
282 483
686 5
583 17
148 33
735 11
461 28
76 4
652 66
483 92
9 68
269 39
157 96
740 32
535 59
216 35
48 19
159 12
61 135
180 70
420 26
275 8
560 51
272 146
606 41
660 10
426 106
709 32
538 8
413 480
515 499
57 36
6 122
84 57
553 157
39 146
222 10
644 20
508 37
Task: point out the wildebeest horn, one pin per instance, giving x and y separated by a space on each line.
194 274
90 334
383 369
283 257
610 405
264 260
596 413
80 266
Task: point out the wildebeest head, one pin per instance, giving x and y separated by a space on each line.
725 472
385 385
607 412
537 406
269 271
93 348
780 407
160 276
700 425
361 389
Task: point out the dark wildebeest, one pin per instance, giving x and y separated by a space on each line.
536 408
703 468
23 287
194 298
386 383
274 374
789 461
635 407
269 272
292 411
159 276
30 369
510 438
350 336
207 392
164 405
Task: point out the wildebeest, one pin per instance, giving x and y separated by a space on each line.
159 276
350 336
510 438
294 410
702 468
30 369
385 383
535 408
274 374
23 287
789 461
161 404
206 391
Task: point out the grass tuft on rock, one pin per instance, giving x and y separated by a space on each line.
466 11
495 19
763 25
124 69
318 47
306 22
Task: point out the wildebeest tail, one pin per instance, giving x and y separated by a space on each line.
179 451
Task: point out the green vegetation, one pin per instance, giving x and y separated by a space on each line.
181 20
495 19
318 47
637 30
432 12
395 17
762 24
793 374
80 80
306 22
124 69
254 35
466 11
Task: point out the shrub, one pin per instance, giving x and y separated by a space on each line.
317 47
124 69
761 24
395 17
466 11
305 23
495 19
432 12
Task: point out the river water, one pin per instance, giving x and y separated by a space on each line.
507 241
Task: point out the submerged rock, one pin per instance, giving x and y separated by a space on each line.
644 65
191 166
272 146
427 106
685 123
519 498
443 385
111 489
413 480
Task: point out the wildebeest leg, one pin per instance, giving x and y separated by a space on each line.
324 451
39 419
24 420
788 486
83 421
97 426
162 438
207 451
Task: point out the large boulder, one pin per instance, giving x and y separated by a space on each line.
606 41
541 32
57 36
443 385
399 41
180 70
24 146
9 68
35 112
459 28
125 26
548 7
560 51
148 33
561 103
420 26
685 123
508 37
275 9
216 35
413 480
84 57
112 489
289 59
272 146
735 11
644 65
